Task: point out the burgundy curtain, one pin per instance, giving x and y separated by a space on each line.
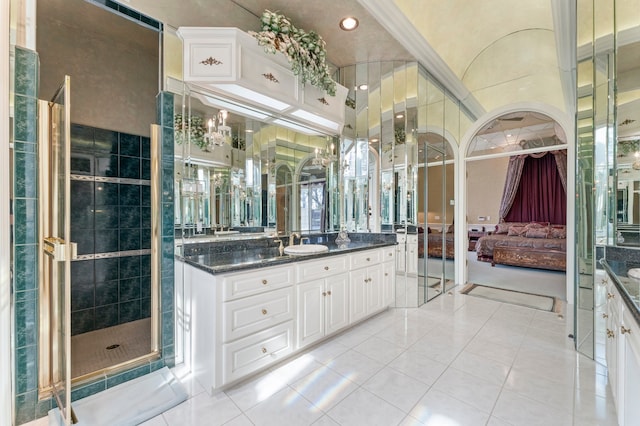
541 195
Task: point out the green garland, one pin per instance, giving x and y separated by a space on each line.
305 51
195 130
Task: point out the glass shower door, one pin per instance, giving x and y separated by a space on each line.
57 249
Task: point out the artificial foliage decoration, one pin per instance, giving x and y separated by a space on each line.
305 51
192 131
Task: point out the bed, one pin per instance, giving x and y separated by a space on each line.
533 245
434 243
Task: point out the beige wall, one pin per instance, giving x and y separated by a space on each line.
485 182
113 64
434 206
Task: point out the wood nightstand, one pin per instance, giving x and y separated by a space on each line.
473 238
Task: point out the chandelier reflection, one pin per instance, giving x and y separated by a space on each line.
217 130
217 180
324 158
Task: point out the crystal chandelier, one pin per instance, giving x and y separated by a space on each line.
217 180
323 159
217 130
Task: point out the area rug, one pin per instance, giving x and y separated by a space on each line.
535 301
129 403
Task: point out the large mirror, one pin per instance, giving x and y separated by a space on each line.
239 175
627 189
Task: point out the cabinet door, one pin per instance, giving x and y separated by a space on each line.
358 284
612 354
388 281
374 289
630 374
337 303
311 298
412 254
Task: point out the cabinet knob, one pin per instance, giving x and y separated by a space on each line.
264 312
610 295
604 281
368 259
610 334
264 350
386 274
624 330
329 293
605 315
326 268
264 282
390 254
324 293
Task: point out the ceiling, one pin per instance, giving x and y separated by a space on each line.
489 54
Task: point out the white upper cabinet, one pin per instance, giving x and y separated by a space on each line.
230 62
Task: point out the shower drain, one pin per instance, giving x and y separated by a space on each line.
112 347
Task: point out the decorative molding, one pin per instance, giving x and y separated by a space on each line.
211 61
564 26
399 26
323 101
271 78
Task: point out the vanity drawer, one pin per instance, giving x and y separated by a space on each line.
363 259
244 284
388 254
245 316
315 269
251 353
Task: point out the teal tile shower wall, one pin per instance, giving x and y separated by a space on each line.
25 279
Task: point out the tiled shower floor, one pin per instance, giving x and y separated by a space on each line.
89 351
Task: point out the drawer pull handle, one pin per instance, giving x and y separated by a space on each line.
605 315
264 312
610 334
211 61
624 330
610 295
264 282
271 78
329 293
326 268
264 350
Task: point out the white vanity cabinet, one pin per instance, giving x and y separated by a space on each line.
623 357
322 295
238 323
412 254
366 294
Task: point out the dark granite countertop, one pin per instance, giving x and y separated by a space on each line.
629 287
261 257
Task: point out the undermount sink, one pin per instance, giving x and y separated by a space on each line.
226 232
306 249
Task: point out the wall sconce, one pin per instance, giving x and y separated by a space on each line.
323 159
217 130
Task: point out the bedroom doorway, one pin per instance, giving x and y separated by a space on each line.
508 184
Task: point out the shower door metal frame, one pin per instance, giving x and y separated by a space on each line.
57 250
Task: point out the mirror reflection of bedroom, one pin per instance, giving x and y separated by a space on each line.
517 205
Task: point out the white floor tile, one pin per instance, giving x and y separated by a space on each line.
416 365
325 388
364 408
396 388
355 366
203 410
481 367
241 420
251 392
327 351
379 349
438 408
156 421
518 410
286 407
468 388
538 388
325 421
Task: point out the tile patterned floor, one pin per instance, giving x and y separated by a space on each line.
456 361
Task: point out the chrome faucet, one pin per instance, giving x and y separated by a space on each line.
276 239
292 238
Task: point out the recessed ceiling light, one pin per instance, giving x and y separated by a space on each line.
374 140
399 115
349 23
362 87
